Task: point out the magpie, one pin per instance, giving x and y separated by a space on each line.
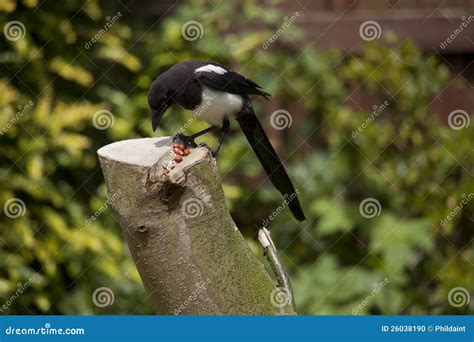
215 93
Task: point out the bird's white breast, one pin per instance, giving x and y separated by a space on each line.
216 105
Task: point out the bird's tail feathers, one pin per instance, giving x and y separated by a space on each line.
267 156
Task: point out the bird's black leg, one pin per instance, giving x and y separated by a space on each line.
224 130
204 131
188 140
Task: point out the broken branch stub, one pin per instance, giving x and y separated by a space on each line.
189 253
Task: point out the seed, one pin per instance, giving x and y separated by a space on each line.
178 151
186 152
178 159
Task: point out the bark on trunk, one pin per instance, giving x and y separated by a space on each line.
189 253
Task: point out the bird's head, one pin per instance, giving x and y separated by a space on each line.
159 99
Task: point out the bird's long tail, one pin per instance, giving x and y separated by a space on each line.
268 158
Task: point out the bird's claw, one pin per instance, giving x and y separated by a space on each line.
213 151
188 141
203 144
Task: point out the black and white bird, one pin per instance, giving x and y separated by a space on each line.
215 94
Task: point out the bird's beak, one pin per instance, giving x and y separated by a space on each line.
156 115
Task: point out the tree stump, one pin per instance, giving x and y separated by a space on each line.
190 254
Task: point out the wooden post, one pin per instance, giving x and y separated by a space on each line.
189 253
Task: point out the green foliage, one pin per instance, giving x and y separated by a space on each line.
50 91
404 157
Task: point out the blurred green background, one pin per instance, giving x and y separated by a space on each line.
403 260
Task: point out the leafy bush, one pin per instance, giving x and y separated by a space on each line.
49 172
412 169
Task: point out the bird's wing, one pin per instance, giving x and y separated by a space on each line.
262 147
228 81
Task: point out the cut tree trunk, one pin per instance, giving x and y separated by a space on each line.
190 255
